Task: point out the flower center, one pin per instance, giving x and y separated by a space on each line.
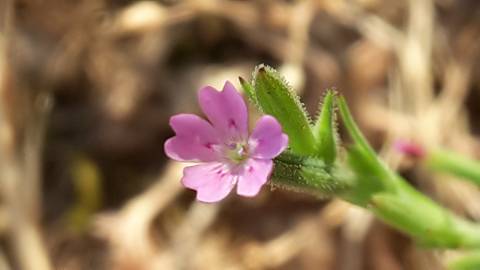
237 152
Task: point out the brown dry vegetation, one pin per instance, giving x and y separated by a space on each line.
87 88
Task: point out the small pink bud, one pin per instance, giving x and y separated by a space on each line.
409 148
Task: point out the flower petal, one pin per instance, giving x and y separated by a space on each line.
211 181
254 176
195 139
226 110
267 140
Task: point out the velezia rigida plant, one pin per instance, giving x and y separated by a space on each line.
288 150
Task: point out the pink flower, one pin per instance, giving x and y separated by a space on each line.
228 155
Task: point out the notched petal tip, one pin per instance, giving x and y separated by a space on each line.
233 96
225 109
193 140
229 86
267 138
208 180
175 119
208 199
256 174
169 149
249 194
182 122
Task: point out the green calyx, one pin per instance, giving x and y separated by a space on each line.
309 175
271 90
270 93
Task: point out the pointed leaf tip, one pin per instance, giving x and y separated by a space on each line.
352 127
275 97
249 91
325 129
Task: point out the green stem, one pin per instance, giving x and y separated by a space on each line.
427 222
455 164
365 180
470 261
405 208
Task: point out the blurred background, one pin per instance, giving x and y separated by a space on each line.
87 88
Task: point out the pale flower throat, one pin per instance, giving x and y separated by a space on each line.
237 152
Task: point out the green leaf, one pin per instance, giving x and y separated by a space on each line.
352 127
276 98
325 130
369 180
380 170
